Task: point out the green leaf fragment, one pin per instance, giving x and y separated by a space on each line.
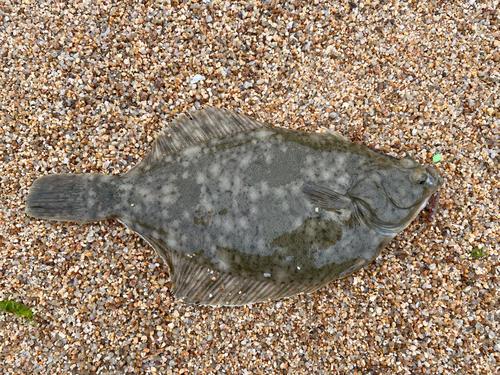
477 252
18 309
436 158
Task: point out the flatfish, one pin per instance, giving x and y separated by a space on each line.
245 212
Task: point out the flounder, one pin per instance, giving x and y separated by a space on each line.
245 212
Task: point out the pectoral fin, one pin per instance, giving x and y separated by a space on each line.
326 198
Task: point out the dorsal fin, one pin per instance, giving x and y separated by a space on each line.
194 128
193 283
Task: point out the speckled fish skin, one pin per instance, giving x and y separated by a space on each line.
273 208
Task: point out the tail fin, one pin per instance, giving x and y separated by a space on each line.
81 198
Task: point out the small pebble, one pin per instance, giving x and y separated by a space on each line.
86 86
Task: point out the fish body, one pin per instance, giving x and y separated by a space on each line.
243 212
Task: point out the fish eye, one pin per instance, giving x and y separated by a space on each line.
419 177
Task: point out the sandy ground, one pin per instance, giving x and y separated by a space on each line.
86 85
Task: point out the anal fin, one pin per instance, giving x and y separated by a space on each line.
196 284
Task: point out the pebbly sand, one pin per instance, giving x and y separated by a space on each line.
86 85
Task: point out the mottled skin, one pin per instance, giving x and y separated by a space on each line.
237 204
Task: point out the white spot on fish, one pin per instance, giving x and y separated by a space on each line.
214 170
90 199
146 196
263 134
191 151
172 243
243 223
245 161
295 189
325 174
308 173
267 274
253 194
343 180
280 192
340 160
225 182
297 222
316 209
201 178
285 206
264 188
236 185
228 226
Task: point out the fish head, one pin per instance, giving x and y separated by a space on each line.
389 195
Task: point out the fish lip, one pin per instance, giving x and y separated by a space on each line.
438 181
432 171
